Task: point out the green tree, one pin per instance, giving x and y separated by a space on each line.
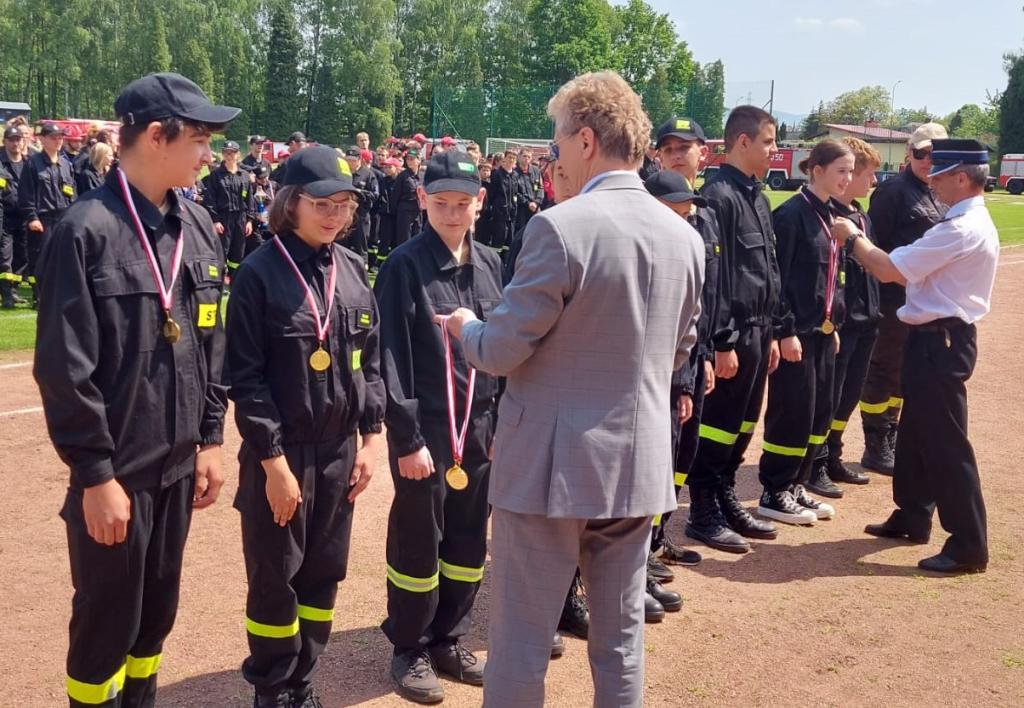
812 126
281 75
1011 106
858 107
156 55
570 37
644 41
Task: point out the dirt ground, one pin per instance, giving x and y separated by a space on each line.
821 616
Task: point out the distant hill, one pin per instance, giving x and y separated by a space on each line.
790 119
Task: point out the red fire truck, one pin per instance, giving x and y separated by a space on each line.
1011 173
784 172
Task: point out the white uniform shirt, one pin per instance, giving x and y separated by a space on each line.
950 270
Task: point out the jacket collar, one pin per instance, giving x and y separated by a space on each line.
150 215
746 182
614 179
443 257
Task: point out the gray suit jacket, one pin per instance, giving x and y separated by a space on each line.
601 310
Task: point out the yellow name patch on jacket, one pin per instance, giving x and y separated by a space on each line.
207 315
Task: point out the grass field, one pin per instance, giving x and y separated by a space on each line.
17 327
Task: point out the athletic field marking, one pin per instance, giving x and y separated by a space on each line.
16 365
21 411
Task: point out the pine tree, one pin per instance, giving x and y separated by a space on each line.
1011 107
281 113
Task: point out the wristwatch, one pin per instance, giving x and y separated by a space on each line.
853 237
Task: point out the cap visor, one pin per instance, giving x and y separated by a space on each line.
213 115
688 137
680 197
940 169
327 187
454 185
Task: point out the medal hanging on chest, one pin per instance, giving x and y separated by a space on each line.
456 477
171 330
827 325
319 360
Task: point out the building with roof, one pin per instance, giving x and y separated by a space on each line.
891 144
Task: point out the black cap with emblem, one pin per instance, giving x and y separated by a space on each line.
317 170
169 95
452 171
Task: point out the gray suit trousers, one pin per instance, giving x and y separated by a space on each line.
533 562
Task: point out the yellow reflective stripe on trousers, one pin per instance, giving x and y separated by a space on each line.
747 426
233 265
895 402
816 439
461 573
718 435
142 667
839 425
407 582
657 520
315 614
783 450
874 408
96 693
272 631
680 478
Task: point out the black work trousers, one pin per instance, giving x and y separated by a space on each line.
881 398
294 570
126 597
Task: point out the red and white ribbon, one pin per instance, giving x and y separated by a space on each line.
458 438
321 325
166 293
833 260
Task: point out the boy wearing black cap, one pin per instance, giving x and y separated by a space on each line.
229 199
406 203
305 380
440 420
128 361
46 189
13 253
255 157
365 181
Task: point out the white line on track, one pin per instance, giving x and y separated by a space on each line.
15 365
21 411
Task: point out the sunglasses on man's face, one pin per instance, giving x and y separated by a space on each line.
922 153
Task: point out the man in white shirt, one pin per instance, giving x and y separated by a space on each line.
949 273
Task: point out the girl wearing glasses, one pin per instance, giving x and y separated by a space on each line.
304 366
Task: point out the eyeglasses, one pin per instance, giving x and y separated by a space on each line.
326 208
921 153
553 146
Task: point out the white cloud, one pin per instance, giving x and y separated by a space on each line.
850 25
847 24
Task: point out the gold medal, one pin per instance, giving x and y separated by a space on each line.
319 360
827 327
456 478
171 330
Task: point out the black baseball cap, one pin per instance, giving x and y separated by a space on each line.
318 170
256 139
230 145
680 127
354 152
672 187
452 171
168 95
12 132
297 137
260 171
48 129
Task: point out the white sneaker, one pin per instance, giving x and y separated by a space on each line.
821 509
781 506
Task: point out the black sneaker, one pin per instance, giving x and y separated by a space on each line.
306 700
266 700
672 554
658 570
821 509
838 472
781 506
415 678
820 483
575 619
457 662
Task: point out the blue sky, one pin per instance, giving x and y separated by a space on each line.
945 53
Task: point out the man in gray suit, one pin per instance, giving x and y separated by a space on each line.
601 310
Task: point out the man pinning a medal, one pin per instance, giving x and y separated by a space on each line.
440 419
949 274
128 361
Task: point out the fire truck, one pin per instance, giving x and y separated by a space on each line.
784 172
1011 173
